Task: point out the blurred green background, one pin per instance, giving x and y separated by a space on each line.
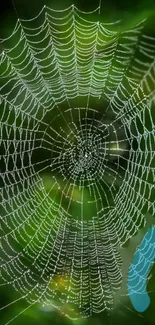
127 11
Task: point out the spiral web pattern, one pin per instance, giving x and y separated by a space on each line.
77 155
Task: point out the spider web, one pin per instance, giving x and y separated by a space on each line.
77 155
